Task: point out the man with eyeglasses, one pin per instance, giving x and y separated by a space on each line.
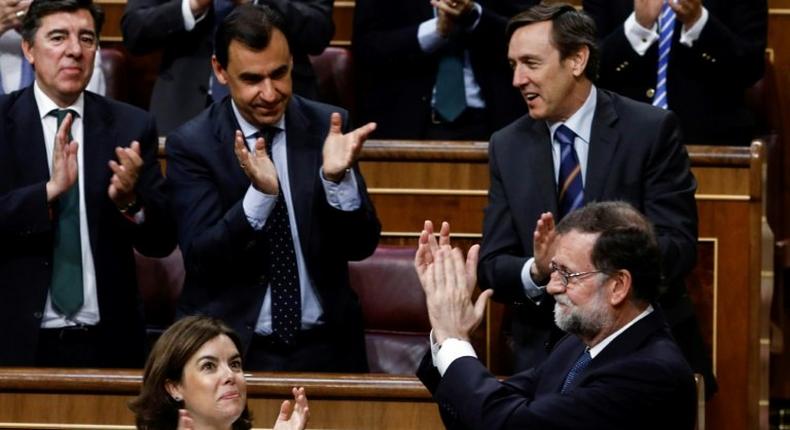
618 365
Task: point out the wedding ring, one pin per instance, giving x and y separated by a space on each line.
243 166
453 4
20 14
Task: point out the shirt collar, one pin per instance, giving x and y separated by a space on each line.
581 120
247 129
46 105
595 350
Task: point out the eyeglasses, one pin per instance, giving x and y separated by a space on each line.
565 277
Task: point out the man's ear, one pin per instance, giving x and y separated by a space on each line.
219 72
27 49
578 60
620 289
174 389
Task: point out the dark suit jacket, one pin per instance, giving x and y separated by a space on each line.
397 78
26 230
182 86
640 380
705 83
635 155
226 259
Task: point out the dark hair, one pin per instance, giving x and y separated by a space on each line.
626 241
250 24
571 29
154 408
41 8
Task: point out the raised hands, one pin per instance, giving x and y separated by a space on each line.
64 161
448 13
448 282
11 13
293 415
687 11
125 173
342 150
543 248
258 167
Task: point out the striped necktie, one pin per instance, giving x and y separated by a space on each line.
581 363
666 26
571 190
66 290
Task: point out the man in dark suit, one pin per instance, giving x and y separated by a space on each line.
717 51
185 29
399 48
618 150
268 224
618 368
71 211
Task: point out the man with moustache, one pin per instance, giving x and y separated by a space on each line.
617 367
80 189
271 207
577 145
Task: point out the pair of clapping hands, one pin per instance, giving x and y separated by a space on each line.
646 12
64 168
339 154
449 280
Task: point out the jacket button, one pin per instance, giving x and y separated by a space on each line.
650 93
37 315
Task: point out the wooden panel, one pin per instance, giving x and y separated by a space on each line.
85 396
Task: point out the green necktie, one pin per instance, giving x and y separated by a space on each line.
450 97
66 290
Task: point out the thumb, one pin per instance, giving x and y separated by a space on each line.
336 123
482 301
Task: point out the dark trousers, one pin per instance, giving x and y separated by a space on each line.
315 350
76 346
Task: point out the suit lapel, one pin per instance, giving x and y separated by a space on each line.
604 140
27 136
539 188
99 144
225 126
303 156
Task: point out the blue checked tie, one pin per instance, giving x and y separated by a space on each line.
571 190
576 370
283 272
666 25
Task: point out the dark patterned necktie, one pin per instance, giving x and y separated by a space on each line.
450 96
66 290
570 188
577 369
283 273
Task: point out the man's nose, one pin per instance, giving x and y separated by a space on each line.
520 76
555 286
267 90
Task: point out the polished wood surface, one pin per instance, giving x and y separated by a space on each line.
99 398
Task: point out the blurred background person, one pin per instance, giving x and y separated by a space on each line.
185 30
435 69
694 57
194 380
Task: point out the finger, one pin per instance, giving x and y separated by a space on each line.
471 265
335 123
133 159
115 167
260 147
480 304
63 130
361 134
449 268
458 267
286 409
135 146
185 420
438 270
444 234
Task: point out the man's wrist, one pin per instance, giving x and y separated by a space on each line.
537 277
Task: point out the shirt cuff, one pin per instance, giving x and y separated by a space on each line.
450 350
640 38
689 36
428 36
189 20
257 207
532 290
343 195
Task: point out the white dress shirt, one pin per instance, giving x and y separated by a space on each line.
89 313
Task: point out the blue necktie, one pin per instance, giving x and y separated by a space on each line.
571 190
666 25
576 370
66 290
283 272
